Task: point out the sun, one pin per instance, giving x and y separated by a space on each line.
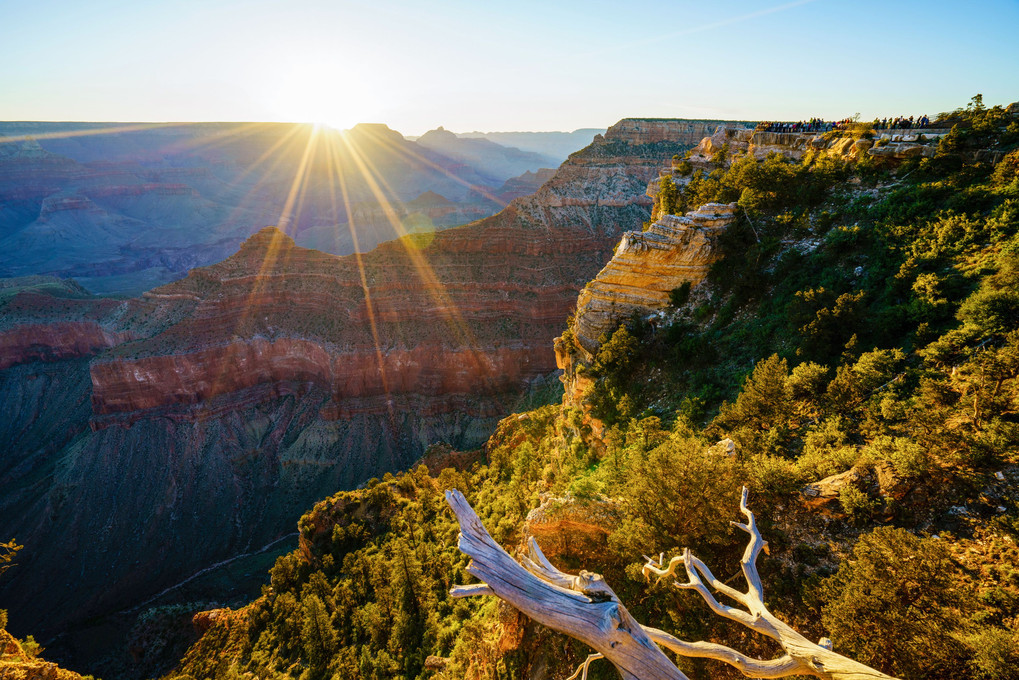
316 92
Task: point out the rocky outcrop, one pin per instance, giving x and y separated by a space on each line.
17 664
895 145
900 146
879 481
643 131
646 267
566 525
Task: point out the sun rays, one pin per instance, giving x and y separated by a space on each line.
331 162
323 178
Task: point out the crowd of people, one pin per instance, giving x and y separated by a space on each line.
902 123
820 125
812 125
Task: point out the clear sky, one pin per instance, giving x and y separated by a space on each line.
513 65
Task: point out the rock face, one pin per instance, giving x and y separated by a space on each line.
573 527
647 266
227 402
653 130
894 145
54 341
524 185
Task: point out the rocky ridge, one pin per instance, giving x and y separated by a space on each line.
893 145
17 664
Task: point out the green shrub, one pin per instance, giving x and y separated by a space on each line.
826 450
772 475
894 605
857 505
31 648
668 197
1007 170
995 653
586 487
909 458
679 295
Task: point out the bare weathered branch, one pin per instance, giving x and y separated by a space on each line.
586 608
471 590
774 668
694 582
601 622
742 598
536 563
582 671
755 594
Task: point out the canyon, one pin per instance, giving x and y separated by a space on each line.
225 403
126 207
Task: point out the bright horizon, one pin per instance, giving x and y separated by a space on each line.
483 67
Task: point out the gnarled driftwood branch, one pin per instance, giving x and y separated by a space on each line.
586 608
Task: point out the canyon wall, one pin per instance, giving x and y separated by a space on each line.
227 402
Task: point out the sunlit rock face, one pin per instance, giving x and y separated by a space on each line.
884 145
647 266
224 404
572 528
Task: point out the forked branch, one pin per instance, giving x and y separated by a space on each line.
586 608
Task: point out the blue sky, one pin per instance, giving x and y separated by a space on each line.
522 65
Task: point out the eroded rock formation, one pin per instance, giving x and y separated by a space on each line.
647 266
17 664
573 527
893 145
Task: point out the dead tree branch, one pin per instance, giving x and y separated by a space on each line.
585 607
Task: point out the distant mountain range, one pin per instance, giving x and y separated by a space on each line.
125 207
558 145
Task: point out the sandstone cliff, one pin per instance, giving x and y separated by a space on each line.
646 267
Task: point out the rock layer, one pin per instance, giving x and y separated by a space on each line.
647 266
894 145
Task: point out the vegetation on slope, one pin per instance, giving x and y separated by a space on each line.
864 322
